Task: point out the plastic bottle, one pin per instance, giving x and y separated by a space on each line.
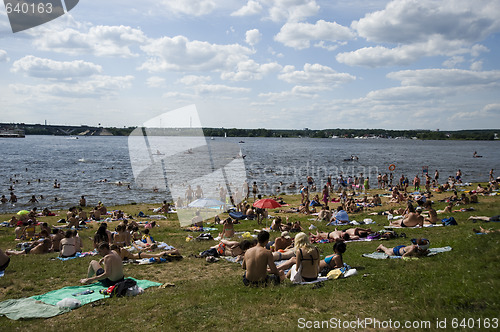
83 293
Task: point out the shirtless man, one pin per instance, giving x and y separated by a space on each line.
432 218
282 242
336 236
112 272
411 219
37 248
256 262
356 233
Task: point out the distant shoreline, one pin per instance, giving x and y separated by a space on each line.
83 130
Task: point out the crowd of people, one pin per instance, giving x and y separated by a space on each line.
294 255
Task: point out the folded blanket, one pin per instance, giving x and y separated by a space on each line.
383 255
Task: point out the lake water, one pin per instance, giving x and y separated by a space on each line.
81 164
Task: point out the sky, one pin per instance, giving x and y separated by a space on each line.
275 64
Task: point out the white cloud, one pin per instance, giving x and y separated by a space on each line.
194 79
424 28
380 56
410 21
98 86
314 74
299 35
251 8
446 77
47 68
253 37
3 56
453 61
155 82
189 7
291 10
476 66
250 70
219 88
113 41
180 54
486 112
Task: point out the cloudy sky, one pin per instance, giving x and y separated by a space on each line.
403 64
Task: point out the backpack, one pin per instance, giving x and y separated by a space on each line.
449 221
121 287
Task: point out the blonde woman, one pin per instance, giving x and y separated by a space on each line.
306 259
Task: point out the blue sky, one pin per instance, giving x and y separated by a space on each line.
404 64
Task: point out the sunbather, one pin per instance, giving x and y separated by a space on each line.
336 235
233 248
484 218
412 219
357 233
485 231
306 255
111 273
335 260
37 248
418 248
125 254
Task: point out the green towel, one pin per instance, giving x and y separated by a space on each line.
57 295
29 308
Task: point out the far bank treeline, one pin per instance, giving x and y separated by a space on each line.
480 134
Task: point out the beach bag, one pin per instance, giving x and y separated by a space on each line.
449 221
121 287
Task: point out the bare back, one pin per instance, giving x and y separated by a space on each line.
256 261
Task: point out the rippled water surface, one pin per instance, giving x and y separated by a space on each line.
80 165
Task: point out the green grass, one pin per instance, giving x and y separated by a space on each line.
463 283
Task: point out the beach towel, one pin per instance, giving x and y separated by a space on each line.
67 292
78 255
383 255
29 308
426 226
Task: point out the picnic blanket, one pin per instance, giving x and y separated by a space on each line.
383 255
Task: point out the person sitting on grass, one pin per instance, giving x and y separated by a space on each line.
324 214
67 246
432 218
256 262
122 238
126 255
101 235
57 236
111 273
306 255
411 219
335 260
37 248
227 229
147 242
419 247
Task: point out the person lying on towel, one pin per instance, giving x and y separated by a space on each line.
419 247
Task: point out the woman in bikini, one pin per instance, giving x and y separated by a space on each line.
306 256
335 260
67 246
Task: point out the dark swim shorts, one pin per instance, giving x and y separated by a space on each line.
107 282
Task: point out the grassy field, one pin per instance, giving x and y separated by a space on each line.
456 285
